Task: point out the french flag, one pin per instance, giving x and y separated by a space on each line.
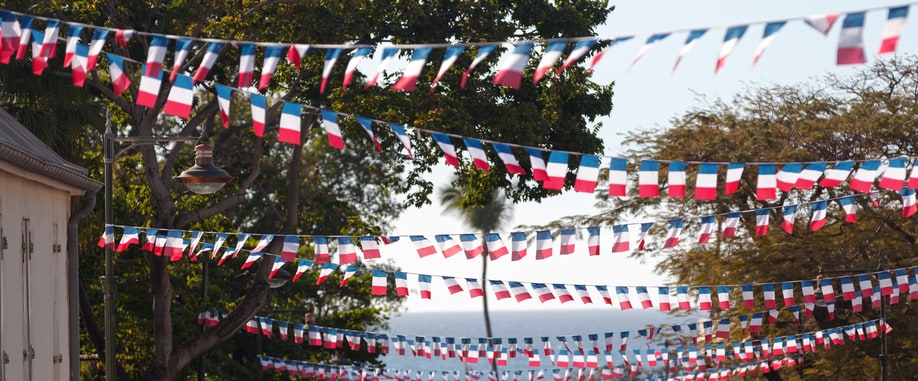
676 179
449 58
279 263
155 56
506 156
449 150
704 298
847 288
246 65
12 33
850 40
181 96
552 54
108 237
809 175
379 282
331 56
95 47
583 293
149 90
672 237
731 223
401 283
556 170
823 22
475 289
321 254
259 106
290 248
367 125
120 81
519 291
40 63
908 202
543 244
122 36
734 174
593 240
356 57
707 228
580 49
423 246
301 266
787 223
347 251
683 298
564 296
410 76
894 177
771 29
386 55
828 293
618 177
483 52
895 23
517 246
788 175
424 285
748 298
599 55
766 183
566 238
648 178
451 285
207 63
653 39
663 299
496 247
837 174
723 297
623 302
768 290
330 122
370 247
731 38
850 208
73 38
587 174
864 176
542 292
690 42
48 40
762 217
477 152
272 57
182 49
620 239
471 245
224 96
129 236
500 289
537 163
818 219
296 53
289 131
645 228
706 183
253 256
448 246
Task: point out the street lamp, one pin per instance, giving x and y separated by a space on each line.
279 279
202 178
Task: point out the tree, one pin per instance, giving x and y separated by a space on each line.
268 194
870 115
486 217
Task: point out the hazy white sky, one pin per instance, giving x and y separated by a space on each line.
648 95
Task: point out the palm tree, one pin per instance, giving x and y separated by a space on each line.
488 216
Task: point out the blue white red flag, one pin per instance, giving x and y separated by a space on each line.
564 295
789 214
289 131
518 246
424 285
155 56
556 170
552 54
809 175
446 145
276 266
181 97
471 245
148 91
296 53
259 106
593 240
379 283
618 177
451 285
40 63
734 174
449 58
762 217
886 286
49 38
847 288
663 299
253 256
401 283
356 57
543 244
482 54
676 179
542 292
263 242
413 71
273 53
587 174
129 236
182 49
224 96
580 49
895 24
704 298
448 246
748 296
768 35
95 46
766 183
908 202
108 237
818 219
301 267
865 175
653 39
645 229
500 289
723 297
386 55
496 247
604 293
475 289
648 179
706 182
608 49
643 297
537 164
768 290
207 63
567 238
682 298
849 207
73 38
519 291
330 122
894 176
367 125
672 236
174 247
477 152
331 56
78 65
787 177
423 246
731 38
851 41
583 293
621 242
707 228
690 42
347 250
623 302
837 174
506 156
823 22
321 254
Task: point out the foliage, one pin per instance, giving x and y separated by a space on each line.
284 189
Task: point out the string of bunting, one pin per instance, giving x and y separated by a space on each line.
691 358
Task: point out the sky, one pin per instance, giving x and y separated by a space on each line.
648 95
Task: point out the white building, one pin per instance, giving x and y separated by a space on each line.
39 316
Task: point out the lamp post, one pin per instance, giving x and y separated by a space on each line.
202 178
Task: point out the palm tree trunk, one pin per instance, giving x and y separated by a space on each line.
484 299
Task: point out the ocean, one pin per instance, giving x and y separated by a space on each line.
521 324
